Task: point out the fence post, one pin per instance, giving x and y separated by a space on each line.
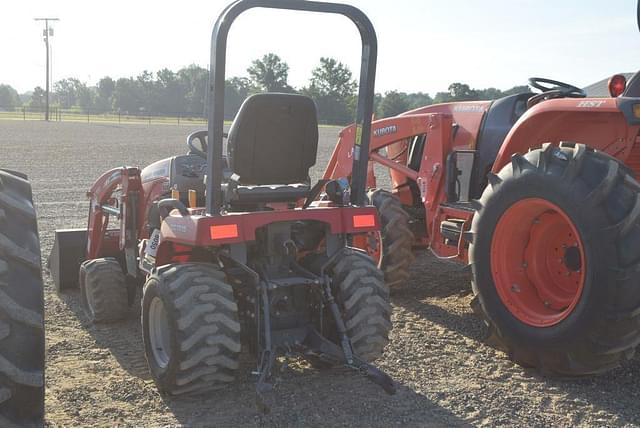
24 113
178 119
118 116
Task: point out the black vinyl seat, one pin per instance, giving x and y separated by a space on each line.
272 144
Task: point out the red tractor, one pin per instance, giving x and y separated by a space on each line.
537 193
239 250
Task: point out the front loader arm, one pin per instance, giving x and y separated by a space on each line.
385 132
125 207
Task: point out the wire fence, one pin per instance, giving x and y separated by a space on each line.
74 115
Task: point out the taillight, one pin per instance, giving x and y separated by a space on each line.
617 85
364 220
223 231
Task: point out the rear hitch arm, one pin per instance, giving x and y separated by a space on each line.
321 347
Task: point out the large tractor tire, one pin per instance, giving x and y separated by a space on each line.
21 307
103 290
555 255
363 299
190 328
397 239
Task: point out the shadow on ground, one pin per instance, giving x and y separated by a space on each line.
433 279
303 397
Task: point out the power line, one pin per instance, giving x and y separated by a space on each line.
47 32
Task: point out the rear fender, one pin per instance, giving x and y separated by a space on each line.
596 122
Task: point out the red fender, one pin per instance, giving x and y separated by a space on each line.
596 122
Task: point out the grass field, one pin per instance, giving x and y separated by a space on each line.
446 374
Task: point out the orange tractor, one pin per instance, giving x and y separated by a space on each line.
537 193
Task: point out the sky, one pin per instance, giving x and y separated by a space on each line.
423 45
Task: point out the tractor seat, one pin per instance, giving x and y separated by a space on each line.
272 144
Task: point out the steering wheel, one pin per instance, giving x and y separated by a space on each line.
556 90
201 136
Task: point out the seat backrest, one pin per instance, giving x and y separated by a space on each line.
274 139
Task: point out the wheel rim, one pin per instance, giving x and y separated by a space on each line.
537 262
370 242
159 333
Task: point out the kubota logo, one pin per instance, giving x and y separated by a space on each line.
391 129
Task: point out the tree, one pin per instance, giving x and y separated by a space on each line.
394 103
37 100
332 77
462 92
332 87
124 96
104 96
419 99
193 80
170 94
489 94
270 74
9 97
522 89
68 92
236 90
86 98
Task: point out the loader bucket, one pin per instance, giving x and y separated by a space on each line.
67 254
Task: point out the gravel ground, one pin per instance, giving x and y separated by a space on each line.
447 376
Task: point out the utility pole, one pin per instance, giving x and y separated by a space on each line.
46 33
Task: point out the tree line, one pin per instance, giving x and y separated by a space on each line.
165 92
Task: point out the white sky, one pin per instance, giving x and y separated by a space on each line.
423 45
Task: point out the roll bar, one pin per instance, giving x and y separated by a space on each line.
217 83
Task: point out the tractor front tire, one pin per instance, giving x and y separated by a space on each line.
103 290
555 256
21 307
397 238
363 299
190 328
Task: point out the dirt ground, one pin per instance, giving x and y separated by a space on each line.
447 376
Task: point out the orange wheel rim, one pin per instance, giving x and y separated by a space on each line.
538 262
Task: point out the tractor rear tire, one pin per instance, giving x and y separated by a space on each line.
363 299
569 308
21 307
190 328
397 238
103 290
